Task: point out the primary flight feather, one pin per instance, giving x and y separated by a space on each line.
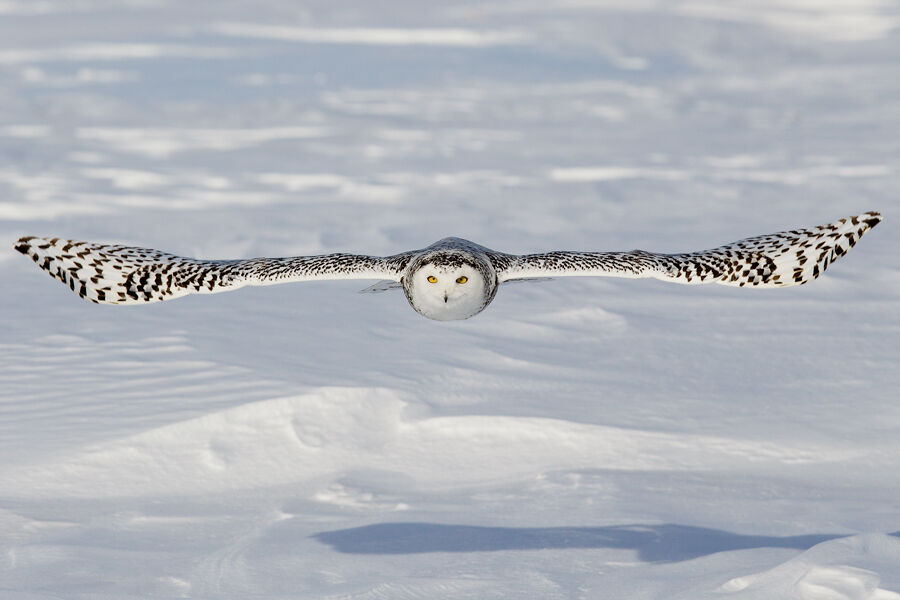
450 279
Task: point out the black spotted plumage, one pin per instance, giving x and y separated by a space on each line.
114 274
779 259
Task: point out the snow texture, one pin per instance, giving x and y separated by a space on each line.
589 438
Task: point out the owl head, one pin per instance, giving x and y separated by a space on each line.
447 286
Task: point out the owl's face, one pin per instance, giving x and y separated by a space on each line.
447 290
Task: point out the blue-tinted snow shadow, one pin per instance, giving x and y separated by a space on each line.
654 543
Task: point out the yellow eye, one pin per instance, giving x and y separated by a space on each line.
432 279
462 279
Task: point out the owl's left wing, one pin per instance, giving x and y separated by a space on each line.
113 274
779 259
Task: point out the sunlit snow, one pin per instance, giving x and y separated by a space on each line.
581 438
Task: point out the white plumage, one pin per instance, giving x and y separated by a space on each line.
450 279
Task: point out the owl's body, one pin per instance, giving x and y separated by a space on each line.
450 279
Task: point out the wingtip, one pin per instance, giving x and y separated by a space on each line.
23 245
871 218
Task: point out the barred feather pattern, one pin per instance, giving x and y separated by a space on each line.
780 259
114 274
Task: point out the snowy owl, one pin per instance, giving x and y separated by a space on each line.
450 279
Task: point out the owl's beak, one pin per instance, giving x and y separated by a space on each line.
445 297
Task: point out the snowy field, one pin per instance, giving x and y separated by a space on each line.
581 438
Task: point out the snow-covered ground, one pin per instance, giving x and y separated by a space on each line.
582 438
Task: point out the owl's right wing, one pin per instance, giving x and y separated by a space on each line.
779 259
113 274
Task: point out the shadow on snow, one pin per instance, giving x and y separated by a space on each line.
654 543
